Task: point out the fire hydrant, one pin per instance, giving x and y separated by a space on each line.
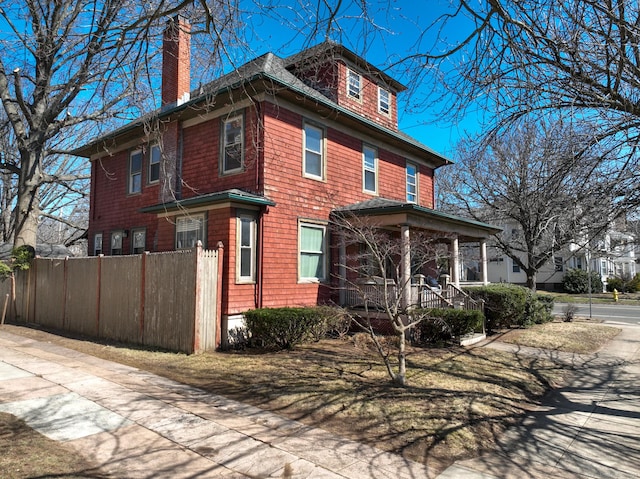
615 295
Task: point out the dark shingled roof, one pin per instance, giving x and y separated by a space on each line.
234 194
382 206
269 67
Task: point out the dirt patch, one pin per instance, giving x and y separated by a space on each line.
28 454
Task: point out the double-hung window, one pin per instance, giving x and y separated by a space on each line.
384 105
313 252
97 244
154 164
369 169
354 85
246 254
313 152
412 183
189 229
116 242
138 240
135 172
232 156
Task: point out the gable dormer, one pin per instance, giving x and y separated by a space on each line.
350 81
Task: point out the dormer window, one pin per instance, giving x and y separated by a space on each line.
384 105
354 85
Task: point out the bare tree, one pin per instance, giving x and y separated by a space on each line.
373 268
541 181
578 59
72 63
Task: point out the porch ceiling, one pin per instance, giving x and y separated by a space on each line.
391 213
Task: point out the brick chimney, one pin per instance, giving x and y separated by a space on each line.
176 62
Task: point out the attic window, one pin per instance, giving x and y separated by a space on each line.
383 101
354 84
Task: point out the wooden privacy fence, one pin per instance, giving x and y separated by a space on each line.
169 300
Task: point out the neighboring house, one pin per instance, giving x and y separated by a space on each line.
612 254
258 160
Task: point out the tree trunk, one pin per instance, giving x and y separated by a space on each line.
531 280
401 378
28 204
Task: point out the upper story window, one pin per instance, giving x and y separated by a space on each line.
246 254
135 172
189 230
154 164
97 244
354 85
412 183
116 242
232 156
369 169
384 104
313 252
313 160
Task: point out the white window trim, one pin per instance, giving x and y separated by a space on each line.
253 235
151 148
355 74
325 253
323 152
223 144
415 166
374 170
203 225
130 189
380 109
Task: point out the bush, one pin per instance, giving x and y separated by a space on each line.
284 328
538 309
624 286
504 304
576 281
546 305
445 324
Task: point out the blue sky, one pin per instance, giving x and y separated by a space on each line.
285 29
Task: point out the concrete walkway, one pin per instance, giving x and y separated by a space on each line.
134 424
588 429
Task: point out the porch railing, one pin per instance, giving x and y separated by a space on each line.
422 296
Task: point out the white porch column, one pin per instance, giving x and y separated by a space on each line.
405 241
342 270
485 263
455 261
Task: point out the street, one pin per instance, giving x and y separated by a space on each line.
611 313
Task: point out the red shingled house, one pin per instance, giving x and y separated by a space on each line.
258 159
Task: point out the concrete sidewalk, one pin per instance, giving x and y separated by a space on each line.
588 429
134 424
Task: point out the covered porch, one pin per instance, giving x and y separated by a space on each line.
410 289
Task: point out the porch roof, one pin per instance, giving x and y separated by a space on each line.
226 196
395 213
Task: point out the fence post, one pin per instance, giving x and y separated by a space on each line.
64 292
220 257
98 285
143 290
197 298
